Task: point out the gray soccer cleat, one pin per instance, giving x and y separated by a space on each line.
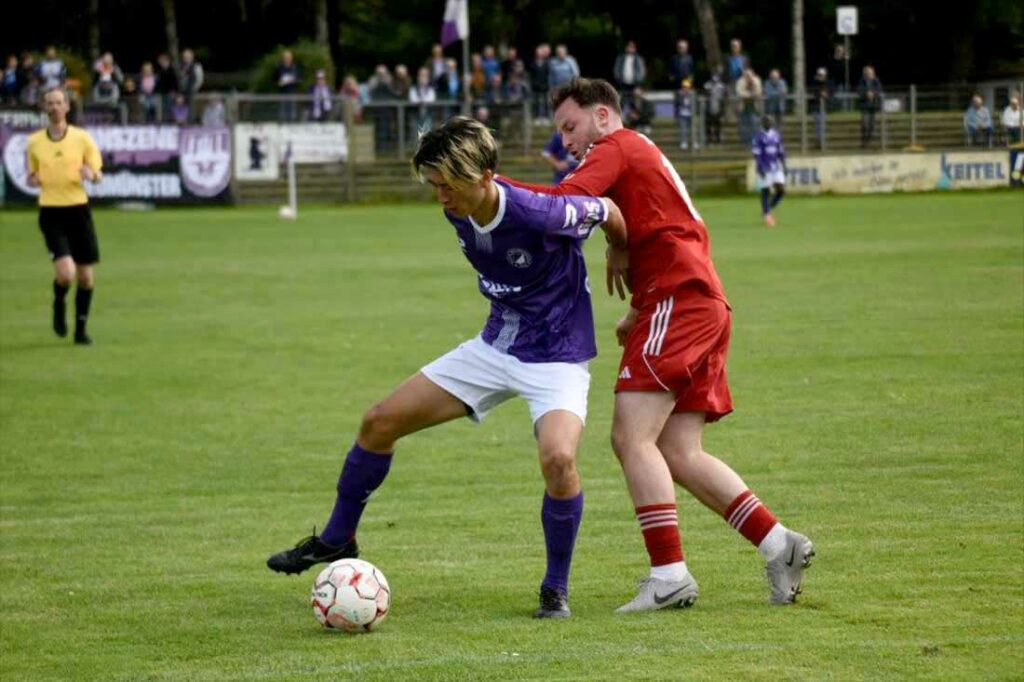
653 594
786 571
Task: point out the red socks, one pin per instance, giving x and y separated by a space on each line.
660 525
751 518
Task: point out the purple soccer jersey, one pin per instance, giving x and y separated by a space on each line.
769 154
529 262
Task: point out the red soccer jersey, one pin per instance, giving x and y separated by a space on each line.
669 246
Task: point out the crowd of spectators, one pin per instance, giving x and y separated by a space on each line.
496 85
163 92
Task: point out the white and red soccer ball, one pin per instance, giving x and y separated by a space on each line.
351 595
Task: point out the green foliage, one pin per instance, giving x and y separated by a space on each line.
308 55
876 362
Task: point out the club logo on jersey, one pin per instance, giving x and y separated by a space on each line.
519 258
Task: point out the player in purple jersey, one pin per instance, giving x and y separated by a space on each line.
770 160
526 250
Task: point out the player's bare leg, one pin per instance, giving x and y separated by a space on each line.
718 487
558 438
83 300
63 276
638 421
416 404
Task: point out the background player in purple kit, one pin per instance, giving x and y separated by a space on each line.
770 159
559 158
538 339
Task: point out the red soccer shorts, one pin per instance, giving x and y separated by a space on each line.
680 345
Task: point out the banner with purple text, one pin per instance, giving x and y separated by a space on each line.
150 163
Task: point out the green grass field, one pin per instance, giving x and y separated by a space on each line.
877 365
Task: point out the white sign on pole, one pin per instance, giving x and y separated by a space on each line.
846 20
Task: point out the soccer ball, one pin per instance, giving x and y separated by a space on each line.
286 212
351 595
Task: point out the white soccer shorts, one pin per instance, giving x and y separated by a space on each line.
483 378
772 177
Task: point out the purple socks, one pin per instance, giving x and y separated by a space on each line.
561 521
363 472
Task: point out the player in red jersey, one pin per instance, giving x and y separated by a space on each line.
676 338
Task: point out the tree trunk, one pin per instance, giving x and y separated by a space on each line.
94 29
332 12
321 23
709 33
800 70
171 29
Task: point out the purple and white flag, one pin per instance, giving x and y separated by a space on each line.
456 22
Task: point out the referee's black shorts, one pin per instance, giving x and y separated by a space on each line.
69 231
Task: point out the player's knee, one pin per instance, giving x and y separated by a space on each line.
621 443
558 463
379 425
65 273
85 278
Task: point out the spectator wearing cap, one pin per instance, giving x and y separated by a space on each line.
686 103
320 110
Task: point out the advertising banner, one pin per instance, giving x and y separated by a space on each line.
140 163
263 147
893 172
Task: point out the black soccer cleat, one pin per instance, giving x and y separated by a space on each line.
60 324
81 338
553 603
309 551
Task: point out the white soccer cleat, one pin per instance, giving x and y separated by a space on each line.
786 571
653 594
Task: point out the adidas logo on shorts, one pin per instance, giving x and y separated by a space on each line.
624 374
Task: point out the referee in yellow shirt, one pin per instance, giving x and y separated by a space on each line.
60 158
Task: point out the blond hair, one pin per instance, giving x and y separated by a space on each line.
460 150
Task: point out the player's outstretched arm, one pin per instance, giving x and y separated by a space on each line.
615 226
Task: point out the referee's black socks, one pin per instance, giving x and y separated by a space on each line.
60 325
83 299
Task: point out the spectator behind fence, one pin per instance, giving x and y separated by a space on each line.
837 68
558 157
384 117
166 84
27 69
821 98
630 70
1011 120
191 78
351 98
869 93
131 102
685 104
401 83
424 95
562 67
52 72
517 90
681 65
477 77
10 83
775 92
436 62
214 113
717 94
149 98
639 114
749 93
106 65
449 86
322 104
737 61
180 110
511 64
286 78
539 82
978 123
106 92
492 70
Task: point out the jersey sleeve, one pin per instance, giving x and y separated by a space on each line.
599 170
91 155
570 217
31 158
